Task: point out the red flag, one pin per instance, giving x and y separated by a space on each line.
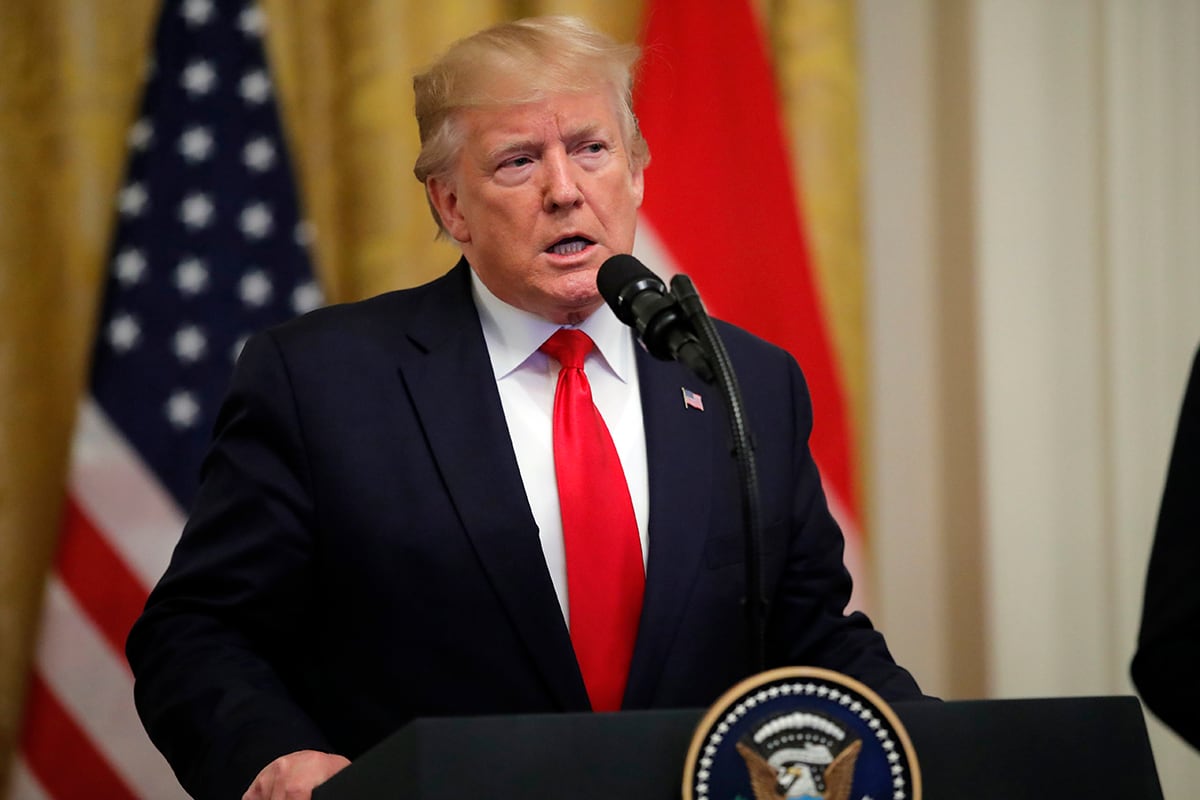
720 206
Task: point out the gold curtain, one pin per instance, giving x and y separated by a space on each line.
68 83
69 80
816 64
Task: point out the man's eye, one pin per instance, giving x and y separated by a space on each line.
519 161
593 147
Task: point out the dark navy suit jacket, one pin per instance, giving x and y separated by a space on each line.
362 552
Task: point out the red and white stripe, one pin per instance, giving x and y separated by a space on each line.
81 736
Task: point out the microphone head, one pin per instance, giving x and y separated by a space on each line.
621 278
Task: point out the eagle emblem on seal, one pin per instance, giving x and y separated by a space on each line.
800 756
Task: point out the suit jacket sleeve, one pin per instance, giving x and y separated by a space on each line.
1169 640
210 652
815 587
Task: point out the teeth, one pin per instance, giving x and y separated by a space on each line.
568 248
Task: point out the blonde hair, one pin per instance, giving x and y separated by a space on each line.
520 62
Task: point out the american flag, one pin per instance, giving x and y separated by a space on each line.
209 246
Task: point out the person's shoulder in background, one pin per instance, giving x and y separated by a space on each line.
1164 667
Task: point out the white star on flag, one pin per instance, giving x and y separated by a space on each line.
306 297
123 333
182 409
255 87
196 144
132 200
197 12
199 78
259 154
130 266
140 134
196 211
190 344
251 21
191 276
255 288
256 221
304 233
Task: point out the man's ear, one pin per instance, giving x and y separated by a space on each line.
444 200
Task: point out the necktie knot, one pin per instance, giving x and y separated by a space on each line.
568 347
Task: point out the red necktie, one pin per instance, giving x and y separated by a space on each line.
605 577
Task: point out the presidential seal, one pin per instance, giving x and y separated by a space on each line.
801 733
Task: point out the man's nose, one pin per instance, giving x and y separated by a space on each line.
561 188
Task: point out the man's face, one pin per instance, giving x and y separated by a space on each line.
542 194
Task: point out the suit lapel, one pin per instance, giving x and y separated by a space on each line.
449 376
679 455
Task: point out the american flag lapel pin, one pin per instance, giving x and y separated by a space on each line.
692 400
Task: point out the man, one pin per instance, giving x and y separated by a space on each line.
379 533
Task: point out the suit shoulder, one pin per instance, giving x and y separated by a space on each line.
743 344
380 315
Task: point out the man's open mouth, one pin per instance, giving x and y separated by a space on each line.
569 246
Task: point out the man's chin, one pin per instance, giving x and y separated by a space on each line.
574 310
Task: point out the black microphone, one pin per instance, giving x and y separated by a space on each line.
640 299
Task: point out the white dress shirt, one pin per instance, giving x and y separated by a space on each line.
527 379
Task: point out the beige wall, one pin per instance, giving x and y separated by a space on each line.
1033 223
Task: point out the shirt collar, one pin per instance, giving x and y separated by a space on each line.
514 335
